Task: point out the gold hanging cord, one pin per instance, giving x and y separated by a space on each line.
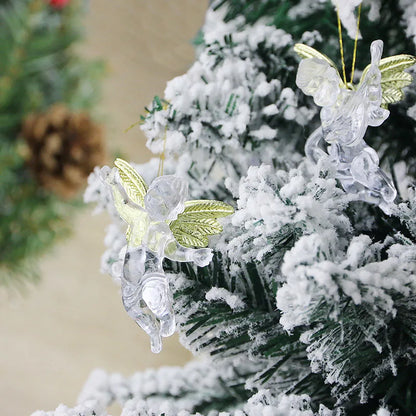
355 43
162 155
341 45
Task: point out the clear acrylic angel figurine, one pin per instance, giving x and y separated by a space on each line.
347 111
161 223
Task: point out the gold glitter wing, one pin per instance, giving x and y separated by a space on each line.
135 217
393 77
198 221
132 182
131 209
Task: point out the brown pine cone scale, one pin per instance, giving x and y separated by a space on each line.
64 147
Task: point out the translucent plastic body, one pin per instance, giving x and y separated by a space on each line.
345 116
146 295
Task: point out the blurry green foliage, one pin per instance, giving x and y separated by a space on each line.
38 67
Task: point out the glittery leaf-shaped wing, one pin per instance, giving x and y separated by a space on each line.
198 221
132 182
393 77
305 52
135 217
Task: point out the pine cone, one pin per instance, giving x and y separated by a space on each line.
63 149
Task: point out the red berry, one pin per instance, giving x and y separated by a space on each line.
58 4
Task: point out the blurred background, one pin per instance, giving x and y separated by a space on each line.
57 331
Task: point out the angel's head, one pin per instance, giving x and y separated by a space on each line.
166 198
317 78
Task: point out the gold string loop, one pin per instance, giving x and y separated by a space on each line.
162 155
341 46
355 43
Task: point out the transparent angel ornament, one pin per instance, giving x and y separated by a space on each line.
161 223
347 111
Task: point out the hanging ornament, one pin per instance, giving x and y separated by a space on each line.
62 149
347 111
161 223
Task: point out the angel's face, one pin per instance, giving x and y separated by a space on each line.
166 197
317 78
